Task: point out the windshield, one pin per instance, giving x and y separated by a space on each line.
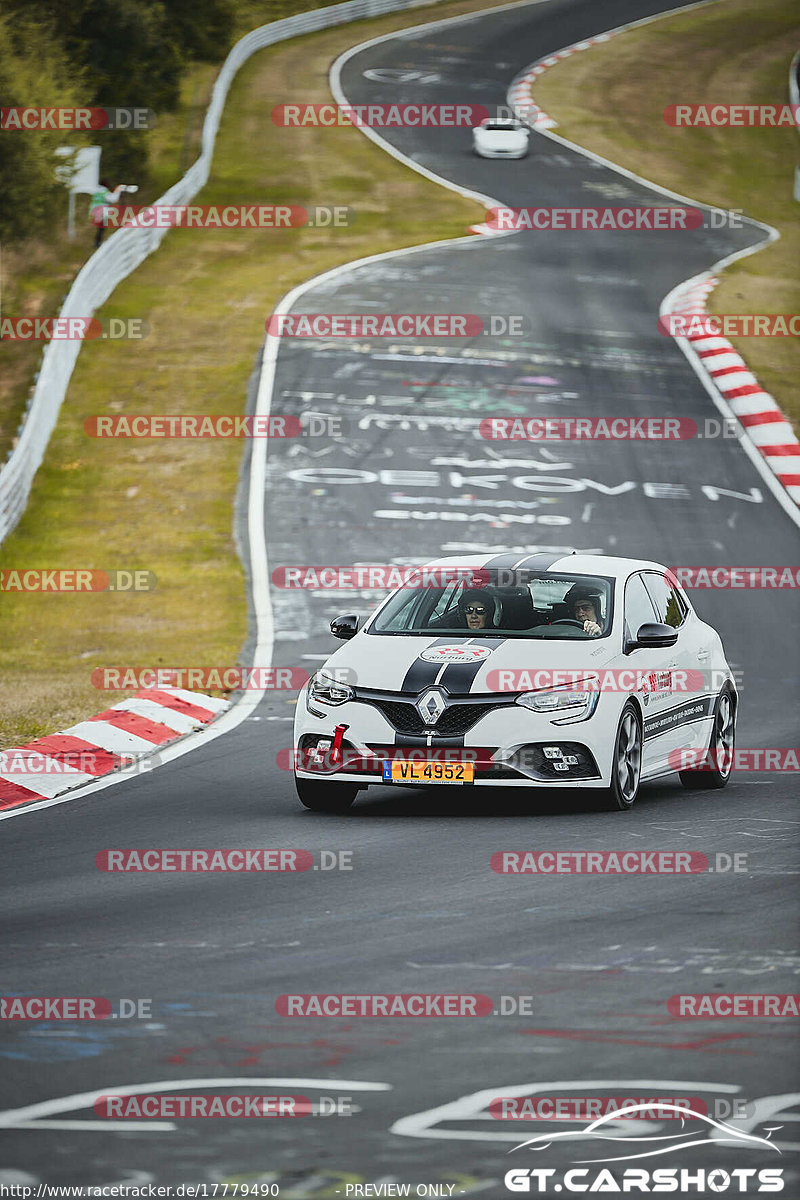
505 603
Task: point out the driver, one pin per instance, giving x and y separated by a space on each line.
476 608
584 605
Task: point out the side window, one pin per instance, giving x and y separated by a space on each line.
669 606
447 600
638 607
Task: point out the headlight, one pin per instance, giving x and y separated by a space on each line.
570 703
558 698
325 689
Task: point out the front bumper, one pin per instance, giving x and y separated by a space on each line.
484 152
509 747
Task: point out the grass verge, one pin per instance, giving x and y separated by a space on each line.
611 100
167 506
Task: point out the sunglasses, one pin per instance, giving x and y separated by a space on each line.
473 609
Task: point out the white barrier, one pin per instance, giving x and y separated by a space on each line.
125 249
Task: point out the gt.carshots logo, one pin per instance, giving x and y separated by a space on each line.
679 1180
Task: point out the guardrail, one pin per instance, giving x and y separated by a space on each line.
127 248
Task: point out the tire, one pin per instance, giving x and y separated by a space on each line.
626 768
721 748
323 796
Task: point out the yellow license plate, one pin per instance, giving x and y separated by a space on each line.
395 771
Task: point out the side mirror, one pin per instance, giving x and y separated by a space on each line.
654 634
345 627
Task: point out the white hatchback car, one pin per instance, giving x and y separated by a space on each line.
501 137
500 671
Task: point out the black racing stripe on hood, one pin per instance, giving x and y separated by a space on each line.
422 674
542 561
502 560
459 677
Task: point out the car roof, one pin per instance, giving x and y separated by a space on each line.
544 561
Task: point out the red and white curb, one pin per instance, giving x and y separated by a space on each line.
715 358
756 410
519 94
121 738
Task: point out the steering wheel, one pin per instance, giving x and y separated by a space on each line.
568 621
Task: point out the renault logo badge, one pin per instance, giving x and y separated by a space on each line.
431 705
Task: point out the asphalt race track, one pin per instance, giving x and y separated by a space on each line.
421 910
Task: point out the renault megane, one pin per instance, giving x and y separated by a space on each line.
500 671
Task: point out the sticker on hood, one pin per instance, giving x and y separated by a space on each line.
451 654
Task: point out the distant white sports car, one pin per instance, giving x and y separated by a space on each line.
501 671
501 137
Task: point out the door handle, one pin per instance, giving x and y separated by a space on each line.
703 654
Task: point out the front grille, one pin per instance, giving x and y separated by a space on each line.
456 719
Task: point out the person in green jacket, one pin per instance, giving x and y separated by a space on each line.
99 200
